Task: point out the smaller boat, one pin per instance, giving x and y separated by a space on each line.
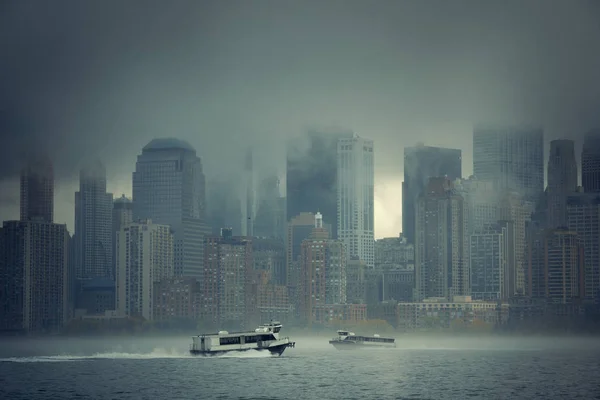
264 338
348 341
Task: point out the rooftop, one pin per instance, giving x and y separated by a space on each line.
168 143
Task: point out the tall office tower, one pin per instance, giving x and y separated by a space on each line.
323 272
517 208
145 257
122 215
562 181
355 193
268 254
270 221
224 206
492 260
248 196
442 246
556 266
590 162
34 276
37 191
311 182
482 202
227 267
93 224
510 157
168 188
583 217
421 163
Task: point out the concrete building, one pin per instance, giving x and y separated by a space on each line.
93 224
169 189
122 215
583 217
590 162
562 181
492 263
323 272
311 180
442 245
34 277
145 256
556 266
511 157
421 163
355 197
227 268
37 191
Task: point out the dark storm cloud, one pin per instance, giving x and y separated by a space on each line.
84 79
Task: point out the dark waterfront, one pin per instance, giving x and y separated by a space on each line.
420 368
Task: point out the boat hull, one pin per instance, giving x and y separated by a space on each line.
276 350
350 345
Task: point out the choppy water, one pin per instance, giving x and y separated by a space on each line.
486 368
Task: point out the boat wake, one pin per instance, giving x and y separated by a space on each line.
246 354
154 354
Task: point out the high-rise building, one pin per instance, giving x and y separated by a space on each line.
590 162
442 245
556 266
421 163
482 202
311 181
394 253
37 191
122 215
249 197
510 157
269 255
355 194
93 224
583 217
270 220
145 257
492 261
224 208
227 267
323 272
168 188
562 181
34 277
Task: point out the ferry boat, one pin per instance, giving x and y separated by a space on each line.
348 341
264 338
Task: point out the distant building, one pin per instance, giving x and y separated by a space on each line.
95 296
169 189
510 157
224 207
356 289
556 267
145 257
176 299
37 191
34 276
590 162
355 197
442 245
269 255
323 272
93 224
122 215
311 181
421 163
270 220
394 253
227 267
562 181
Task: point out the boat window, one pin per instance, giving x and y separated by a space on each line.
229 340
251 339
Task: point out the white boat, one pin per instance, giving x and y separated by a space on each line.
348 341
264 338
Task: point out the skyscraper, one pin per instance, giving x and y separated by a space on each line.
562 181
122 215
93 224
355 193
510 157
421 163
442 246
590 162
168 188
145 257
37 191
248 196
270 215
311 182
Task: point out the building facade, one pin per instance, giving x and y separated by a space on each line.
562 181
37 191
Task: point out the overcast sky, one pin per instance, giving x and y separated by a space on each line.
86 79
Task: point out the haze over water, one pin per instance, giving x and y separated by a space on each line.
420 368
